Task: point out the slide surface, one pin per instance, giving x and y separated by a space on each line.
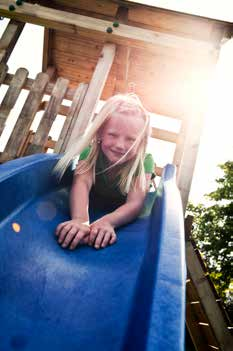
130 296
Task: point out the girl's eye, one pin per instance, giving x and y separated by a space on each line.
131 140
112 134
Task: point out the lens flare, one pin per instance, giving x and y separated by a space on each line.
16 227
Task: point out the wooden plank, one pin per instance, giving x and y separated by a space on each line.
76 45
105 7
212 310
48 90
191 145
49 116
23 147
25 119
96 28
164 135
122 69
149 5
163 20
158 171
9 39
47 58
72 116
94 91
179 151
11 96
63 109
3 72
197 337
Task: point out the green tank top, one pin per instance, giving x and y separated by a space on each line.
106 188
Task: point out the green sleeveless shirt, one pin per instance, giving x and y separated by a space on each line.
106 188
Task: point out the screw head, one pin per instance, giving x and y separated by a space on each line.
11 8
109 30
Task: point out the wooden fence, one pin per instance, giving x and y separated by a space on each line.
23 141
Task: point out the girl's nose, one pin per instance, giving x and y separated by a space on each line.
120 144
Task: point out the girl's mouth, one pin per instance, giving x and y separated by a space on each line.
117 154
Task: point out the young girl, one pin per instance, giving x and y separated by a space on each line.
112 165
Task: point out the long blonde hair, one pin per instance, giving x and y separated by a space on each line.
124 104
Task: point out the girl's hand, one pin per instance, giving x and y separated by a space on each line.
72 233
102 234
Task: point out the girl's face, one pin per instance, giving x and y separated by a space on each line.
118 134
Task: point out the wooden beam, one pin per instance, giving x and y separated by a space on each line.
11 96
164 135
207 298
190 150
94 91
122 69
47 57
63 109
71 118
96 28
179 151
103 7
158 171
9 39
48 90
3 72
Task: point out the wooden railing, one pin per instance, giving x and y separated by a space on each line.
22 140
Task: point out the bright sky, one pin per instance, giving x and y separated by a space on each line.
216 143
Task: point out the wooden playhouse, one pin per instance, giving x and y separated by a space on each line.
96 48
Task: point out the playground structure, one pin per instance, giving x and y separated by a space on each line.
94 49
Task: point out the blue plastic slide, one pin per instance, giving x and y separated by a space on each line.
129 296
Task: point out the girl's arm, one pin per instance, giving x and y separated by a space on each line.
79 196
76 230
122 215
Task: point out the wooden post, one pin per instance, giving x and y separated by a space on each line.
206 296
47 57
3 72
179 151
94 91
9 39
49 116
189 156
24 121
208 300
122 70
11 95
71 118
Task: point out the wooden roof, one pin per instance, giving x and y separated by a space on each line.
183 50
165 56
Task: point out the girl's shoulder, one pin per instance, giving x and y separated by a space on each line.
84 154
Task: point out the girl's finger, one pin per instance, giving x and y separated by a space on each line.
113 238
93 235
106 239
86 239
64 232
69 237
60 227
99 239
76 240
